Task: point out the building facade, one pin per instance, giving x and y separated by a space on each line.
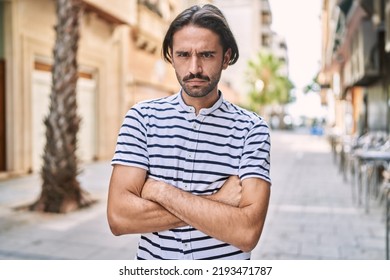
355 73
251 22
244 17
119 65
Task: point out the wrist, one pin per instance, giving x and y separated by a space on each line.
213 197
151 189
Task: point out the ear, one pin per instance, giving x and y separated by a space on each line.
226 58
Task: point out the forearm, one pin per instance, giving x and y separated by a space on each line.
127 212
211 217
239 226
138 215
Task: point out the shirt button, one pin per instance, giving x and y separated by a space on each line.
190 155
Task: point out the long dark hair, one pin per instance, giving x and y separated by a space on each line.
209 17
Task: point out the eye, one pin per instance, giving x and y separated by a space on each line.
207 54
182 54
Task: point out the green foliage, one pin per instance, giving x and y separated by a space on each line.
267 85
313 86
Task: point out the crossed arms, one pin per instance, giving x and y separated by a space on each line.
235 214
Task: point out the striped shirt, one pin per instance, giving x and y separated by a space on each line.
195 153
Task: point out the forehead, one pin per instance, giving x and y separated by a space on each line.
191 36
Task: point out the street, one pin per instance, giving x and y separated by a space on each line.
311 213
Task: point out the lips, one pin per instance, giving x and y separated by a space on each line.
196 81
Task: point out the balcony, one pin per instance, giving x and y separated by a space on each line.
363 67
114 11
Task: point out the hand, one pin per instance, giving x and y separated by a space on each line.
230 193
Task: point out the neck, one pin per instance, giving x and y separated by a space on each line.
201 102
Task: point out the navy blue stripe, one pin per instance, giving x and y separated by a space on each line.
182 180
136 119
131 145
190 170
130 135
207 248
158 109
187 252
152 254
163 100
254 165
252 151
138 112
245 113
193 150
165 118
130 153
248 122
207 191
132 127
167 237
117 160
259 133
258 158
256 143
174 136
169 249
195 161
237 111
182 240
190 129
223 126
224 255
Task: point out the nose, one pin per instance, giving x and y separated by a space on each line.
195 65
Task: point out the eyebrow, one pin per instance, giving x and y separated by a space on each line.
208 52
199 53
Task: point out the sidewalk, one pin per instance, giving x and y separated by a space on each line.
78 235
311 214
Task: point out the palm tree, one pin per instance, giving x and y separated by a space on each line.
267 85
61 191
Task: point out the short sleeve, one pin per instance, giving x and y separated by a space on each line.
131 147
255 159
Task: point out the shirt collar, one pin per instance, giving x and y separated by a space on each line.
204 111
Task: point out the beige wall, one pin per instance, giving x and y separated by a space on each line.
108 52
125 11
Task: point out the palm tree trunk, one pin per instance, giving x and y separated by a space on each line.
61 191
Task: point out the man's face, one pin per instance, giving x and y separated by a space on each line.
198 60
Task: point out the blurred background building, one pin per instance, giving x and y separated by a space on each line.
250 21
119 63
355 74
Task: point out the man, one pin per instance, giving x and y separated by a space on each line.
191 171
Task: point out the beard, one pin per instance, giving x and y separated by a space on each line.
199 91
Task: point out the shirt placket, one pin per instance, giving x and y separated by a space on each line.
188 175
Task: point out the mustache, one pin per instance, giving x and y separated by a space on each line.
195 76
